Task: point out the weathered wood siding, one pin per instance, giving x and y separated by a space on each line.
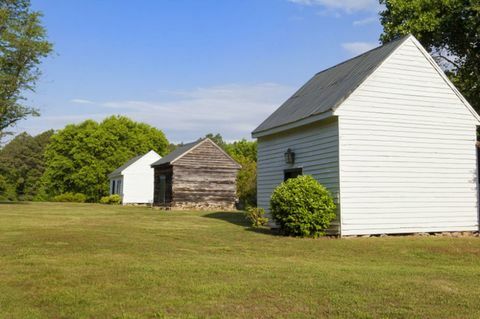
316 152
407 152
166 170
204 178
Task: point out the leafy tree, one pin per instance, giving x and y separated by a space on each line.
80 157
22 46
450 31
245 153
247 182
22 166
247 149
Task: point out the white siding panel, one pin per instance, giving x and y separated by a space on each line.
138 180
407 152
316 152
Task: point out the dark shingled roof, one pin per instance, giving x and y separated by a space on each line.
329 88
119 170
177 153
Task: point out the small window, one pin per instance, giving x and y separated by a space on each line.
112 190
291 173
119 187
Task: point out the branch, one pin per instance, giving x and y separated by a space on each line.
449 60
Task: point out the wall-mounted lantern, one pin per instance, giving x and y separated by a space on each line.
289 157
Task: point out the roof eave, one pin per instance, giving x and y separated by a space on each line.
161 164
110 176
292 125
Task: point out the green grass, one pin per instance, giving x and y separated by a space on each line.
94 261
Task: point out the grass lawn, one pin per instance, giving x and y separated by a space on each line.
97 261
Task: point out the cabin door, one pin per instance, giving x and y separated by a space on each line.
162 188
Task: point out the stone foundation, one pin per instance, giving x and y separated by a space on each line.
199 206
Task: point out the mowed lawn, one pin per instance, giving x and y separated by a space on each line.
97 261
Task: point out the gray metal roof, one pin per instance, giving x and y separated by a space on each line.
329 88
119 170
177 153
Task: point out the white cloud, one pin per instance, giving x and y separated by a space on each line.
233 110
365 21
348 6
356 48
81 101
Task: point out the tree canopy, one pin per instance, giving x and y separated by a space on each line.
23 43
80 156
449 30
22 166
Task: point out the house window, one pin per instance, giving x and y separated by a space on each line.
112 189
291 173
119 187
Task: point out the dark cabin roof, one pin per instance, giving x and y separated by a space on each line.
329 88
179 151
119 170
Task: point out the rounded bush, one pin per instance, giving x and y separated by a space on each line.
114 199
302 207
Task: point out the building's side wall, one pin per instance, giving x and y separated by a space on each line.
316 152
407 152
204 178
138 180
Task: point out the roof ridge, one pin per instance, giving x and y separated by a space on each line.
364 53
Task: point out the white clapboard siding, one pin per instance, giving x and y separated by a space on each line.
316 152
138 180
407 151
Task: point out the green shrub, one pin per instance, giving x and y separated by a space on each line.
256 216
70 197
302 207
114 199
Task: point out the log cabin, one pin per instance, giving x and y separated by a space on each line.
198 175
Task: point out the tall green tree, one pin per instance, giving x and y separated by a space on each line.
23 44
449 30
245 153
22 166
80 157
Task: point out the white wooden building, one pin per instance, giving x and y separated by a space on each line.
133 181
388 134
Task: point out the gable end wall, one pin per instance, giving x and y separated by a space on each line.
407 152
204 178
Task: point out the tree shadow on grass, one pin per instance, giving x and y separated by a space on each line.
238 218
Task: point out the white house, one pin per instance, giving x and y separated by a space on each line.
133 181
388 134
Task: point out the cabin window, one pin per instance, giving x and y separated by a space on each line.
112 189
292 173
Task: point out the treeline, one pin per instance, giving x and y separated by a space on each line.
78 158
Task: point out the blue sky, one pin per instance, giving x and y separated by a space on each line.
190 67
